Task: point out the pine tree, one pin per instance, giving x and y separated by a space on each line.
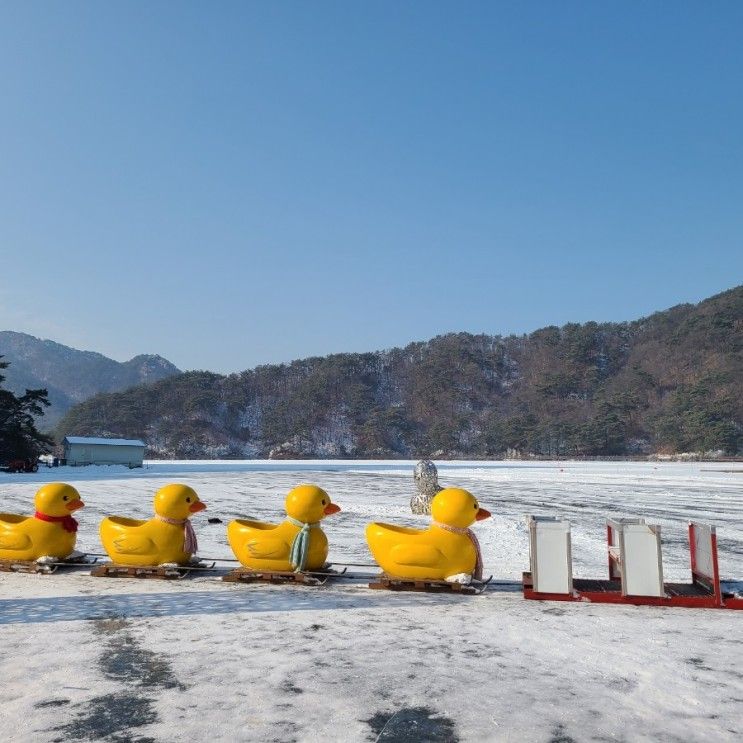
19 437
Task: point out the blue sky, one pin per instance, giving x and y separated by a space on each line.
232 184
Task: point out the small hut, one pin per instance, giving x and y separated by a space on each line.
81 450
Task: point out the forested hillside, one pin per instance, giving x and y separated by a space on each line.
670 382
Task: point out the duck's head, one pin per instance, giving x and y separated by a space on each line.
177 501
457 507
57 499
308 504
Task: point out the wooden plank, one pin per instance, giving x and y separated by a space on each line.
43 568
156 572
245 575
391 583
25 566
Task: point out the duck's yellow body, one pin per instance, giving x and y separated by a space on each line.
434 553
428 554
263 546
159 540
50 532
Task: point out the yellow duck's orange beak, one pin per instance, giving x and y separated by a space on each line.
74 505
330 509
198 506
482 514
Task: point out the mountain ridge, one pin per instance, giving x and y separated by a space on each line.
72 375
663 383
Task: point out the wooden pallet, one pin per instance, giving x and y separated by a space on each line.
43 568
391 583
313 578
156 572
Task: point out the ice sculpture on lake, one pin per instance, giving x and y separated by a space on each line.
426 484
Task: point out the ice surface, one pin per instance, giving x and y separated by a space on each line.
83 658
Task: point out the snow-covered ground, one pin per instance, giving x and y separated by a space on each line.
85 658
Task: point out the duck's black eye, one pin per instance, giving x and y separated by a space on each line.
475 506
323 502
188 500
65 497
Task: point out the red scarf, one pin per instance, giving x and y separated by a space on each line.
68 523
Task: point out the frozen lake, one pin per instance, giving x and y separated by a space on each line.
159 661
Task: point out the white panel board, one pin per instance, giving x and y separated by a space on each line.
702 536
551 559
641 560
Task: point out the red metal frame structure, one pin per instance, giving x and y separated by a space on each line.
704 592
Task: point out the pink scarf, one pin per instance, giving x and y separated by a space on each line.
477 574
190 545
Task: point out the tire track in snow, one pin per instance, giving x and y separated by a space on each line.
117 717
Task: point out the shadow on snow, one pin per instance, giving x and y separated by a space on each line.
79 608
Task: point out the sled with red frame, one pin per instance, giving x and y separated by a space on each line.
635 567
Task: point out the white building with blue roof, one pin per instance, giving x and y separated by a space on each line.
81 450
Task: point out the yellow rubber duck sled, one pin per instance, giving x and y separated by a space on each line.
50 532
297 544
166 538
447 550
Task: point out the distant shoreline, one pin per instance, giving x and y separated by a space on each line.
647 458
